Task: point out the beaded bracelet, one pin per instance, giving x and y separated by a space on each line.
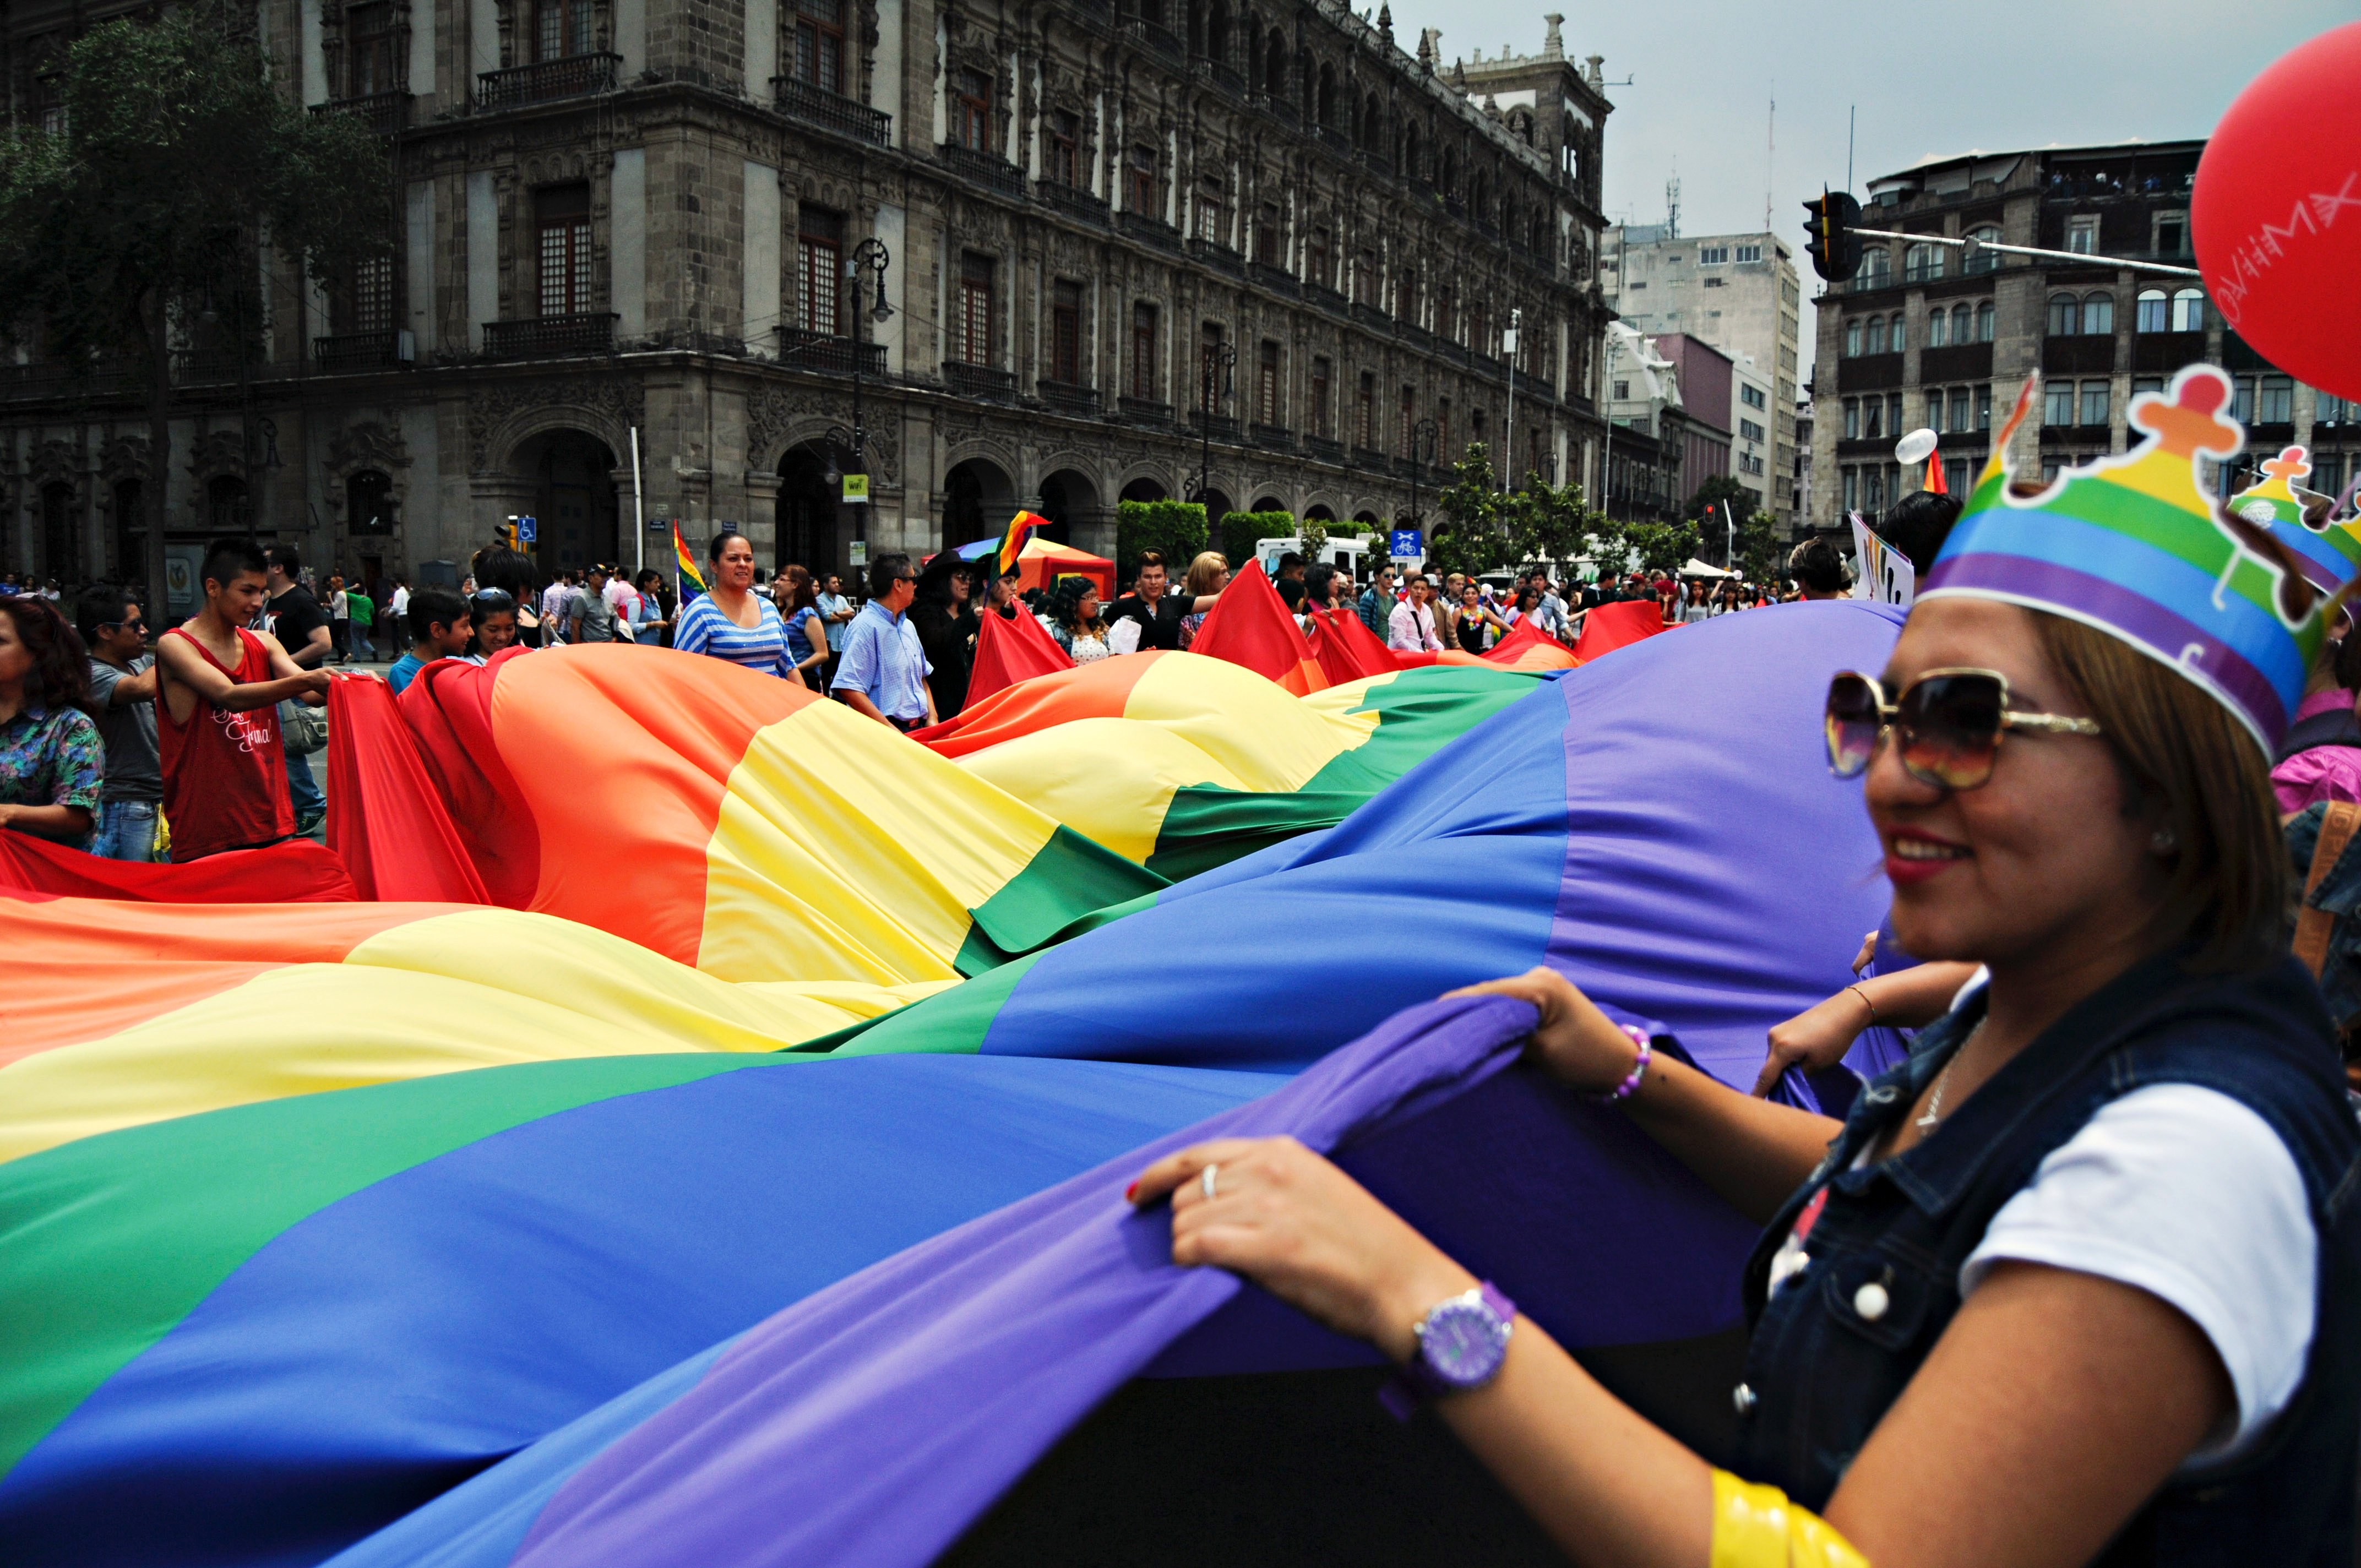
1631 1084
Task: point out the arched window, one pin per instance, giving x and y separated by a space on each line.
1985 316
1874 336
2189 310
1939 329
1373 118
1963 329
1984 260
1897 335
1410 163
1853 337
1876 267
1922 263
2098 314
1217 31
1327 100
2065 315
368 502
2151 312
1274 65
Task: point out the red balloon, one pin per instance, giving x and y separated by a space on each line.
2277 212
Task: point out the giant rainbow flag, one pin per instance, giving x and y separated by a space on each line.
506 1224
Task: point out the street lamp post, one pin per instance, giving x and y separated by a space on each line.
1508 433
1423 435
1220 383
869 256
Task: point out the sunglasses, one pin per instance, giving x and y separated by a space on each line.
491 601
1947 725
137 623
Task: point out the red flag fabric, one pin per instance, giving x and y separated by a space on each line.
1613 626
1526 633
385 818
298 871
1343 657
1249 625
1007 652
1369 649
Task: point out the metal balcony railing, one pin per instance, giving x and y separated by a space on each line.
571 77
831 111
1152 36
386 112
1279 106
545 337
1067 397
1376 462
980 382
1321 449
988 170
1221 427
1072 200
828 354
1220 76
1144 411
358 351
31 383
1213 253
1276 279
1327 298
1371 317
1274 438
1336 139
1149 230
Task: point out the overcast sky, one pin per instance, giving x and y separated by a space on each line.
1928 80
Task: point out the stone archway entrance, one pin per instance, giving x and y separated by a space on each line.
809 533
978 502
571 478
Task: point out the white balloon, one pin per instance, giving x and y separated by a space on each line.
1915 447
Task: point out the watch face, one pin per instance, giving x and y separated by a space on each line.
1463 1342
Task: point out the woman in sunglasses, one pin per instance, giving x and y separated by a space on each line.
493 614
2075 1281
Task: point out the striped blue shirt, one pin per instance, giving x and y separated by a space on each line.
705 629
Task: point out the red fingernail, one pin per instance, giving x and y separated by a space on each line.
1131 1191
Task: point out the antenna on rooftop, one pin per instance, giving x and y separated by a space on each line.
1672 208
1769 155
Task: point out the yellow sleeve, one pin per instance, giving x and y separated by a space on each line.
1757 1527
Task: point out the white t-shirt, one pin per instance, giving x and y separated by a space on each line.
2186 1194
400 603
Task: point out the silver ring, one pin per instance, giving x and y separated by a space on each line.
1205 1181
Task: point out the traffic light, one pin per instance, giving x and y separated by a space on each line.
1836 249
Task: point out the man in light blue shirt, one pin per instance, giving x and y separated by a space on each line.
884 671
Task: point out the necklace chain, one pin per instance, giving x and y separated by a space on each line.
1943 1080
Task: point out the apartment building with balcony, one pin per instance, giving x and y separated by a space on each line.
617 284
1921 337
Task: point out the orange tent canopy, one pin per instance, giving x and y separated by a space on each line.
1040 563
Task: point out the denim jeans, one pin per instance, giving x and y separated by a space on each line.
126 831
303 790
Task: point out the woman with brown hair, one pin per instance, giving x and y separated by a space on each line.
798 602
2076 1278
52 763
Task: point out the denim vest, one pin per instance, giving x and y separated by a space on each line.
1819 1375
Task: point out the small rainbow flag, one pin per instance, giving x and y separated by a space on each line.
685 563
1012 544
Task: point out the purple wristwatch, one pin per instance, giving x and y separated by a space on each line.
1461 1342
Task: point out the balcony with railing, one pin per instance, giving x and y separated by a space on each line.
37 383
1214 254
1277 105
1335 139
1277 279
831 111
1149 230
1376 162
1220 427
1072 200
570 77
386 112
1327 298
1371 317
1272 437
828 354
357 351
980 382
1067 397
988 170
1320 449
212 367
1153 36
549 337
1375 462
1144 411
1219 75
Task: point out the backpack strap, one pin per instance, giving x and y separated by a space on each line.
2313 926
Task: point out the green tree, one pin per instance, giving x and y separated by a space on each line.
1759 556
1486 527
1663 546
144 216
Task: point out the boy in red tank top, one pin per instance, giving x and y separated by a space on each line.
218 690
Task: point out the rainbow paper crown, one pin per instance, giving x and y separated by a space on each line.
2328 552
2137 547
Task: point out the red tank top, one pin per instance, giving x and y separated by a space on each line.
225 773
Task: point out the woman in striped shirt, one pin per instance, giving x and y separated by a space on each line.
732 621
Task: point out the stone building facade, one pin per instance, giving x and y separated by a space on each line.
1920 339
618 292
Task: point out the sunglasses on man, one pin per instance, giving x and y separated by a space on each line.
1947 725
137 623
